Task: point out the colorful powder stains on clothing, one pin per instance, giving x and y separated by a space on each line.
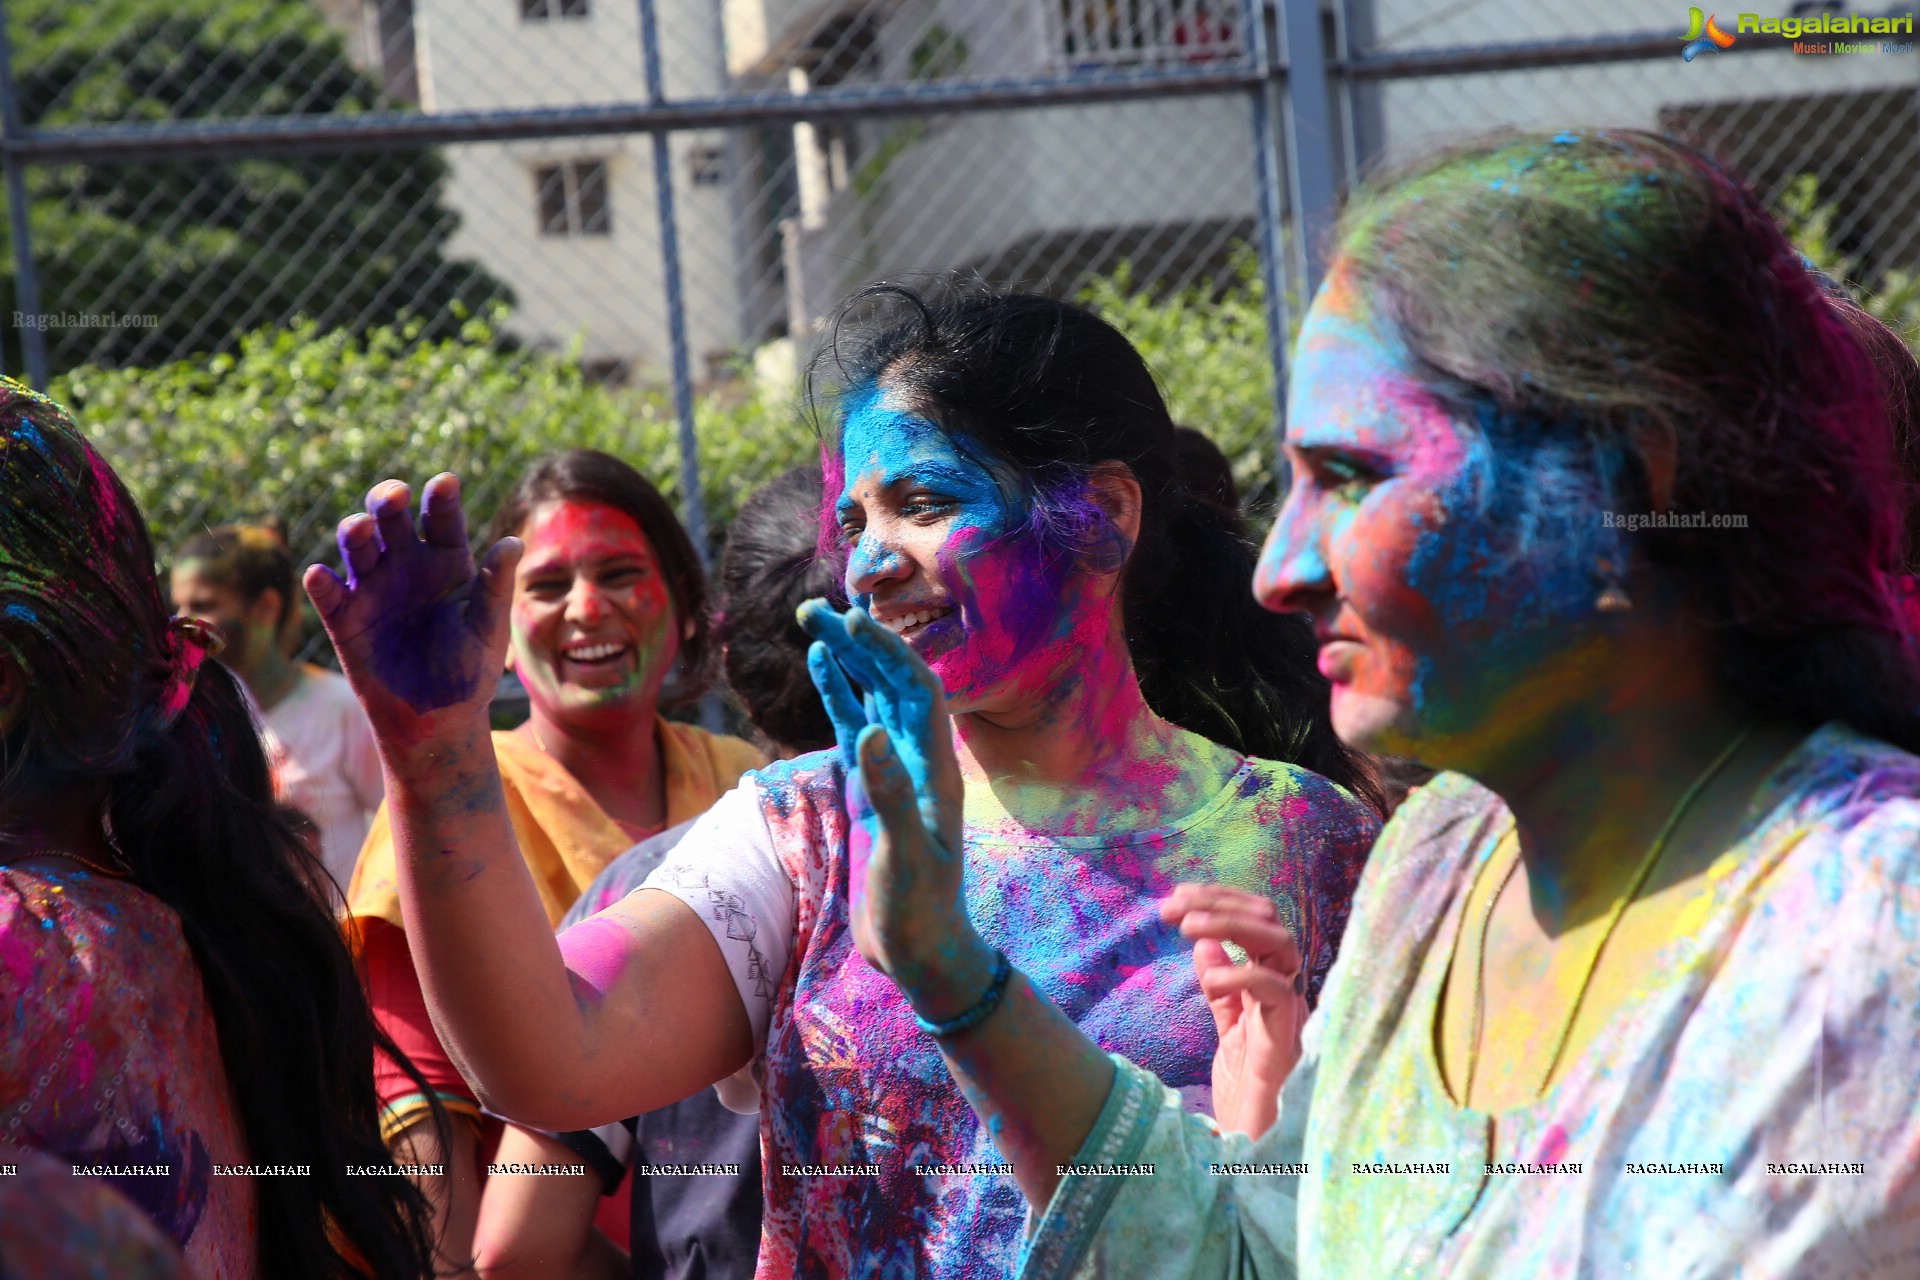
1782 1031
564 836
54 1226
847 1078
109 1057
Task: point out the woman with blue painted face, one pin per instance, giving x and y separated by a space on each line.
1002 484
1597 508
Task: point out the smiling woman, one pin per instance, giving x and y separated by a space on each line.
1630 987
1004 486
609 603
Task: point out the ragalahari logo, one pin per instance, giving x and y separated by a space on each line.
1702 34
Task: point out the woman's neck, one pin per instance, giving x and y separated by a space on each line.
272 679
617 762
1594 792
66 821
1091 756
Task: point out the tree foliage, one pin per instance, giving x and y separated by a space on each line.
212 249
1893 295
297 424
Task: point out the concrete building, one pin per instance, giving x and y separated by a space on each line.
778 223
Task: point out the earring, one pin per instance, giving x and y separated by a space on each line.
1613 596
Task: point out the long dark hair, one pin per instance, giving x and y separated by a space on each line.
772 566
1050 391
1592 299
588 475
190 806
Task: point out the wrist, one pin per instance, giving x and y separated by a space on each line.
948 978
436 749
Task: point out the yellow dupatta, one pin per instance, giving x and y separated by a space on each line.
565 836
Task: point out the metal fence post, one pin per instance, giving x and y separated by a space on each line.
26 277
1265 103
1310 139
693 501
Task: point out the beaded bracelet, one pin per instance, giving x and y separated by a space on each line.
1002 974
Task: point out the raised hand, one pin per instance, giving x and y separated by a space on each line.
417 627
905 799
1258 1007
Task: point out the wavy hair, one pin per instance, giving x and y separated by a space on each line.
1633 332
1049 391
190 806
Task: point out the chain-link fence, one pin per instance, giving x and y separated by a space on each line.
275 249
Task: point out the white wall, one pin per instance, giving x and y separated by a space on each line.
606 290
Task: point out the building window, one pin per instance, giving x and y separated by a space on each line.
542 10
1105 33
573 198
707 165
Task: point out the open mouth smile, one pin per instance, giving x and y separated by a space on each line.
908 623
594 654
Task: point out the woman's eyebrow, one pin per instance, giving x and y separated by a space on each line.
937 473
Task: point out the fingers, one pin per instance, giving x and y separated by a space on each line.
1209 955
390 503
442 519
843 708
873 655
359 539
901 669
489 607
1266 942
1190 897
889 789
324 588
1273 992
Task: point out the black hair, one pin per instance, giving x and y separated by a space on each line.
249 559
189 805
1567 291
1051 391
588 475
770 567
1204 469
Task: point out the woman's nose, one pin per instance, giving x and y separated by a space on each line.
873 561
1292 571
586 603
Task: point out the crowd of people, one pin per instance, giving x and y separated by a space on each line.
1472 882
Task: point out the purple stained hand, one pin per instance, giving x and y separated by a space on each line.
415 623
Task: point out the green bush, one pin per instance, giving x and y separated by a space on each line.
298 423
1209 350
1894 295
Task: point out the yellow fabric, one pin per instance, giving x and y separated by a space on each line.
564 835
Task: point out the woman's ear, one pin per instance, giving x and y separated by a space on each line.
1659 452
1117 491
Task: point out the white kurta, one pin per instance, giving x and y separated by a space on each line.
1753 1113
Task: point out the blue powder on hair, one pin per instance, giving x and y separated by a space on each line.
22 613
